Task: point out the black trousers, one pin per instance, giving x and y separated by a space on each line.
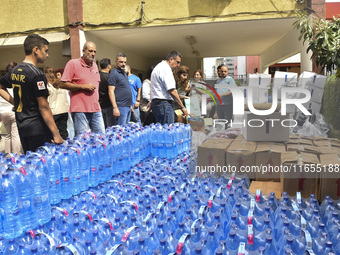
61 122
31 143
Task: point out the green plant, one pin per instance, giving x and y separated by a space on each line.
323 37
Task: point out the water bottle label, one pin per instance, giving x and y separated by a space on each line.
12 158
149 186
113 249
250 234
136 186
146 219
252 204
62 210
32 233
250 217
193 226
93 169
91 193
171 195
40 199
127 233
201 211
298 197
233 176
303 223
108 222
43 159
138 165
258 195
181 243
76 150
113 197
159 207
116 182
87 214
211 198
241 249
295 208
152 174
230 182
184 160
308 239
23 171
49 238
219 191
70 247
130 203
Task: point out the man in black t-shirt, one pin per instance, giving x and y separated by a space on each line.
104 99
33 114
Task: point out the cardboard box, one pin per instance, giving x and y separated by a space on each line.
285 79
264 130
259 80
241 155
266 188
212 153
316 93
197 125
330 180
296 175
269 155
293 139
304 148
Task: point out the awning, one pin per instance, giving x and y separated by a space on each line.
19 40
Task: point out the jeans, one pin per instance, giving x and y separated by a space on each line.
125 115
135 117
109 120
85 120
225 112
163 110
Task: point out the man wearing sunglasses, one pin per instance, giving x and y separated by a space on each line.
163 89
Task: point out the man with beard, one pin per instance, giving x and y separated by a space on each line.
119 91
81 77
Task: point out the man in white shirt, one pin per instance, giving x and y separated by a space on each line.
163 89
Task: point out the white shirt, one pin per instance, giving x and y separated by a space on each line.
146 89
4 105
162 80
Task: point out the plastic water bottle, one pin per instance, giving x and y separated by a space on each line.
74 153
11 247
66 175
25 191
9 208
41 199
84 168
94 166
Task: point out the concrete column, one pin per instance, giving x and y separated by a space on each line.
319 7
306 62
75 16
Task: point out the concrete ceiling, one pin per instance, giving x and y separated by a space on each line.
233 38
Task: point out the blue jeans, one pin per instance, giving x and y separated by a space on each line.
136 116
163 110
108 118
85 120
125 115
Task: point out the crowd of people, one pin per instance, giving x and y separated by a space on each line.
80 97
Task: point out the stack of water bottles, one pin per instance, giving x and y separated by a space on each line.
134 190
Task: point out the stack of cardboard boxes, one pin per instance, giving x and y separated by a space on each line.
309 166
